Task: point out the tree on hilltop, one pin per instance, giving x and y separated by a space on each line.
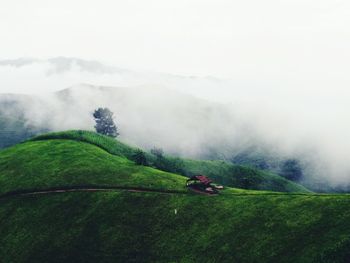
104 122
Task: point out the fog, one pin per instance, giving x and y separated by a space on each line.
190 116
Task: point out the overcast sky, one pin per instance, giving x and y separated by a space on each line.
265 40
287 61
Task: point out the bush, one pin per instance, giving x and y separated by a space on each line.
139 158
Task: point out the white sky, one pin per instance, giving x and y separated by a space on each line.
268 40
287 60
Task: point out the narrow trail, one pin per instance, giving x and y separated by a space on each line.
57 190
91 188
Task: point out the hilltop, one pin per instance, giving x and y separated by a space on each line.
62 163
223 172
165 224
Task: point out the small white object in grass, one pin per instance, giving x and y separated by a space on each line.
175 211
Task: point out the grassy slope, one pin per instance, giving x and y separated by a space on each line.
242 176
54 163
222 172
142 227
236 226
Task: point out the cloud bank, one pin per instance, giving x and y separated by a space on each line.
192 116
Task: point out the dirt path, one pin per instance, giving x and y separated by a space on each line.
68 189
57 190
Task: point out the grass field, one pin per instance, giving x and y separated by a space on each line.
143 227
121 226
55 163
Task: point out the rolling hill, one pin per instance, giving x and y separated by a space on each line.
199 129
121 212
62 163
222 172
123 226
181 124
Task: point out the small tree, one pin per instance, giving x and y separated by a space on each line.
105 123
139 157
168 164
158 152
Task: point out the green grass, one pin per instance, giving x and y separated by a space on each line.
54 163
109 144
223 172
242 176
121 226
143 227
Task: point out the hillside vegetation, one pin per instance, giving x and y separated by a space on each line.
222 172
62 163
175 226
143 227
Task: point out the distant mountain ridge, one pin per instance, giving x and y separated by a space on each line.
63 64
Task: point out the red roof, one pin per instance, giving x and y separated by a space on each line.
203 179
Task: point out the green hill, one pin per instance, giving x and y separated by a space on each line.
167 223
143 227
63 163
223 172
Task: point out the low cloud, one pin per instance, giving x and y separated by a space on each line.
193 116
